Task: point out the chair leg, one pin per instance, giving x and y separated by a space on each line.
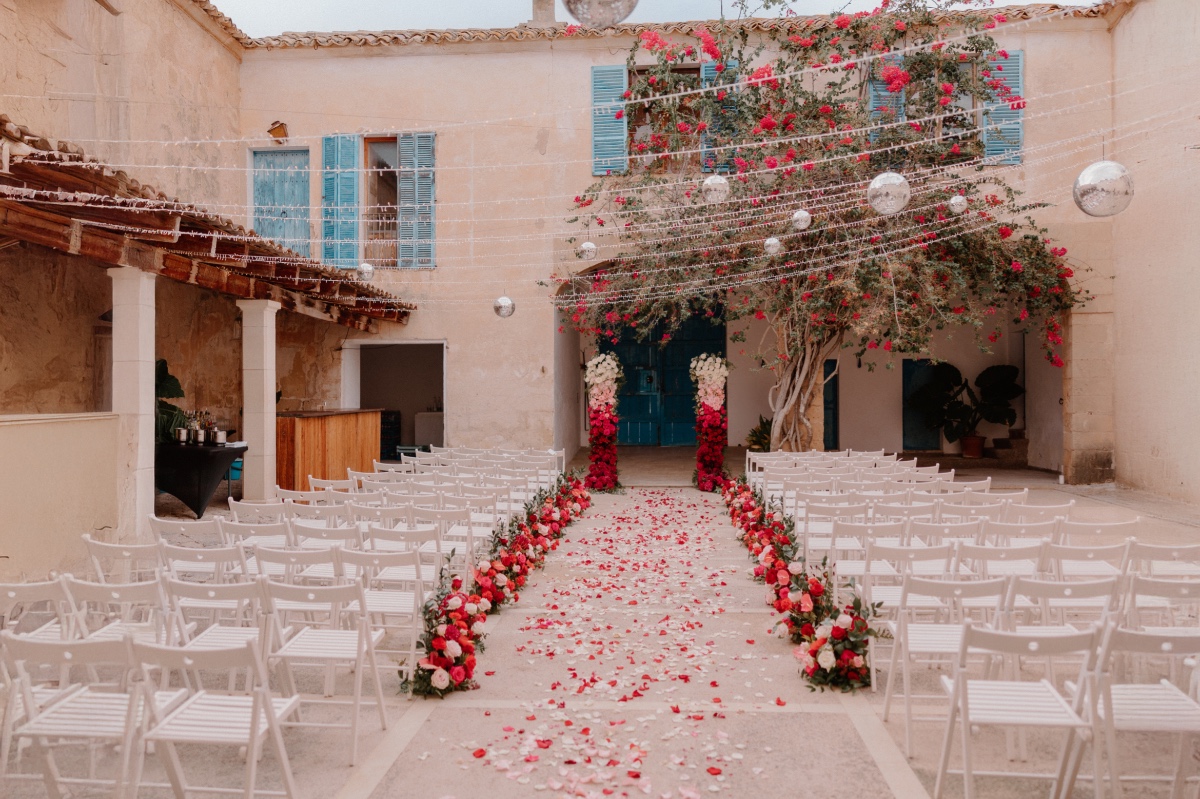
906 674
947 745
285 765
891 680
358 678
169 756
378 686
1181 767
252 751
968 776
50 775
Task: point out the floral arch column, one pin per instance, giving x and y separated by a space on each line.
709 373
603 378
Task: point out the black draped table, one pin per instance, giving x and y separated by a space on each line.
192 473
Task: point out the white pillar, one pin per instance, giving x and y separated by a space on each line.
351 395
258 397
133 395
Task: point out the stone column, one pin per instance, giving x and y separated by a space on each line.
133 396
258 397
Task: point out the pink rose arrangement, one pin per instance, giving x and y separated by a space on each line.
603 381
709 373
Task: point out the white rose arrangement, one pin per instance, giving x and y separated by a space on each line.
603 377
709 373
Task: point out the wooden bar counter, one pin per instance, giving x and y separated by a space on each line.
324 444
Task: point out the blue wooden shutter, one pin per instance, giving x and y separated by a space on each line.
878 98
1004 126
415 214
281 201
723 159
339 200
610 136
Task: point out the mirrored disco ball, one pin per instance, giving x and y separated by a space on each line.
600 13
504 307
801 220
1103 189
587 251
365 272
958 204
716 189
889 193
773 246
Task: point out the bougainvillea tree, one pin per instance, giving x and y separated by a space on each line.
800 116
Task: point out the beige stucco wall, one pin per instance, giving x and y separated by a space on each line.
1156 375
158 72
39 531
51 331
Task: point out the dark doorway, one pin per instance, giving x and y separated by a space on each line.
917 434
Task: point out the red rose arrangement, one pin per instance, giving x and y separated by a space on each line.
456 621
712 435
455 624
602 439
833 641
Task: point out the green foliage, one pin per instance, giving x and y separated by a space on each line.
168 416
759 438
947 402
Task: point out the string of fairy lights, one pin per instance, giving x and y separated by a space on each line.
1102 189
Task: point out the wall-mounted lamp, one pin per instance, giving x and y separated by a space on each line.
278 131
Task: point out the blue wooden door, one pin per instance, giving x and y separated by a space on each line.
831 405
917 434
657 402
281 197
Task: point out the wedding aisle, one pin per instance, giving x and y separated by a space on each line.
639 663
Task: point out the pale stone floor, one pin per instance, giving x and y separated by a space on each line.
647 607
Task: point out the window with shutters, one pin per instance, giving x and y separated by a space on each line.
398 201
883 106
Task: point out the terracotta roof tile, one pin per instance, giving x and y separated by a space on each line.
524 33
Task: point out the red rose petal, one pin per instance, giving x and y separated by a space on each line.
543 743
479 752
713 770
780 701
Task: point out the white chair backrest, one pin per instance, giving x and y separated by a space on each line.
96 604
200 530
290 563
317 484
386 515
368 564
388 539
1087 532
257 512
1003 533
270 534
1152 558
219 564
1038 513
1045 591
954 592
325 515
382 467
937 532
306 497
21 600
122 563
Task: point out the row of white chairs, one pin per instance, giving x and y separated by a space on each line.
991 684
755 461
926 618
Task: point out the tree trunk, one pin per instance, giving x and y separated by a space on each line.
793 393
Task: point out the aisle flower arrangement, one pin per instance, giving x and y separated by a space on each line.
521 545
455 624
603 378
709 373
833 641
455 620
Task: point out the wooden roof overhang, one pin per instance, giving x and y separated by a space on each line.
52 195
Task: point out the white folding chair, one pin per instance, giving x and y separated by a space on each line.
1143 708
334 644
208 564
199 532
397 610
1087 562
81 713
1165 560
1086 533
251 720
275 535
1038 513
1000 533
936 639
1013 703
108 611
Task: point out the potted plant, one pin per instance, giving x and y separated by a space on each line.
948 403
168 415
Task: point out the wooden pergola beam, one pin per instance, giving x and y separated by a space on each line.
62 233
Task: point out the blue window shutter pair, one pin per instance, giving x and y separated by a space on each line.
1004 126
878 98
415 214
339 200
610 136
723 159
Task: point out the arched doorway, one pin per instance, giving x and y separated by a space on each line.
657 401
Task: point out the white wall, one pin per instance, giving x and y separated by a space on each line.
748 381
58 480
568 391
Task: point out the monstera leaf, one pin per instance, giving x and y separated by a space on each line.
947 402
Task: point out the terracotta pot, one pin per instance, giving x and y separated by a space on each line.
972 446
